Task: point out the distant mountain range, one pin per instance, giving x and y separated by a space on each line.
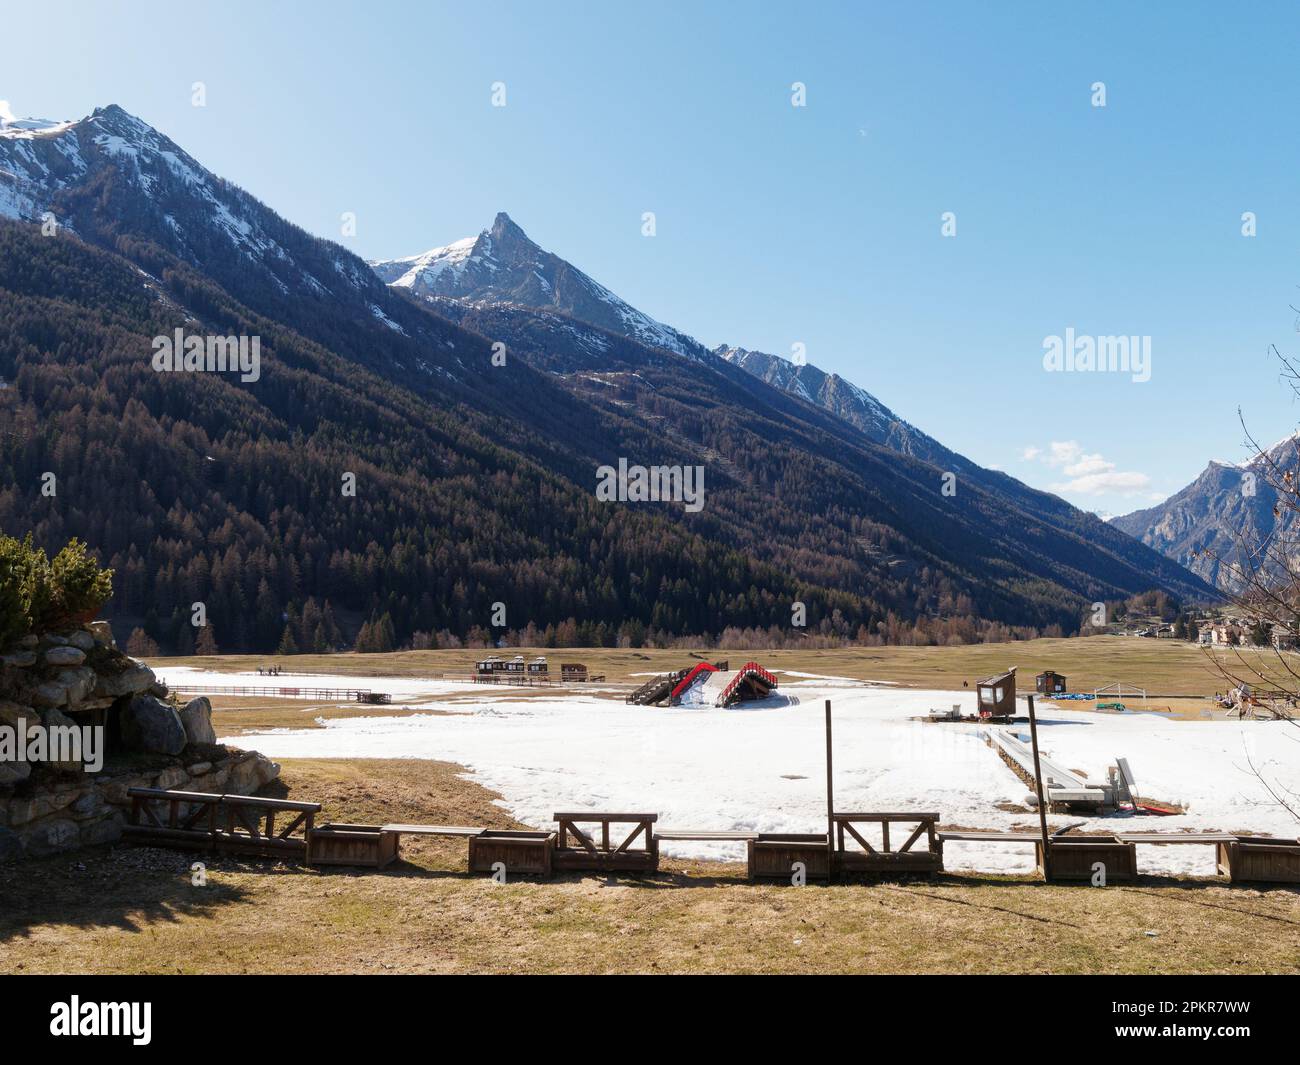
1215 525
475 480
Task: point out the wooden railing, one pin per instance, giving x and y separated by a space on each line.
201 820
749 669
590 855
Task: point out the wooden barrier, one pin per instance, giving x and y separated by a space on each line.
530 853
371 846
338 695
1273 861
190 819
772 855
248 824
885 860
605 857
1073 857
229 823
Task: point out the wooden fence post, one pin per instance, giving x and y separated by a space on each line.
830 801
1038 785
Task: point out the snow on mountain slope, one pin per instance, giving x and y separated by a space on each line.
502 265
832 392
112 178
43 163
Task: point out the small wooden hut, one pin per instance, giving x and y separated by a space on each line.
997 694
1049 682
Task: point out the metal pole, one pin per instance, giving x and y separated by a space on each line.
830 801
1038 785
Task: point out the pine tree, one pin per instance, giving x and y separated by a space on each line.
288 646
141 645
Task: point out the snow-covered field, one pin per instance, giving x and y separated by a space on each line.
760 767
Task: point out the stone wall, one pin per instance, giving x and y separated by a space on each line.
81 678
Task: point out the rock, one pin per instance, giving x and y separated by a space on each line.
251 773
14 773
131 681
50 693
52 719
19 659
24 811
158 688
51 640
171 778
115 790
149 724
199 769
11 847
102 633
51 837
197 719
65 656
89 804
108 830
79 682
29 643
10 713
82 640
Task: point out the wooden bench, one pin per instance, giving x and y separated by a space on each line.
1159 838
691 835
456 831
989 837
605 857
886 860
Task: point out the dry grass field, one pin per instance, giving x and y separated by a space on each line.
1178 677
1165 666
133 910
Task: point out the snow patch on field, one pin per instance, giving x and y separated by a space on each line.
759 767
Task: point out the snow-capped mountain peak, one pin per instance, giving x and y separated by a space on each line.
502 265
13 127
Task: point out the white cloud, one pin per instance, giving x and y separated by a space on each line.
1110 482
1030 453
5 114
1088 473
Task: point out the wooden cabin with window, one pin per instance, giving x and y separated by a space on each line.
537 667
487 667
573 671
1049 682
997 695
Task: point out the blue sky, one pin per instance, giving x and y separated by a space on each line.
779 225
